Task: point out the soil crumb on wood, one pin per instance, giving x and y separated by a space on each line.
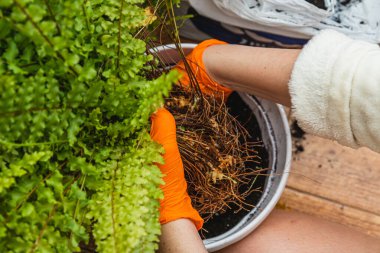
298 136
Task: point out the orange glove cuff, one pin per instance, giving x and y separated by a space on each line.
173 210
206 84
176 203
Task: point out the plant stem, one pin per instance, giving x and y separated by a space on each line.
52 16
113 206
119 33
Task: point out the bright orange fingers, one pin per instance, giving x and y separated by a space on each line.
206 84
176 203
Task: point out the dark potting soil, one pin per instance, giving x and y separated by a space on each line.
222 222
319 3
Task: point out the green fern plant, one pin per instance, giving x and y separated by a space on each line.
75 153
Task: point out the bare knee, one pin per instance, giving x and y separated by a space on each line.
286 231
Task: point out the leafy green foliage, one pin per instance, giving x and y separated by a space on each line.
75 154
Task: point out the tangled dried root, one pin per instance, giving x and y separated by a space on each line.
214 150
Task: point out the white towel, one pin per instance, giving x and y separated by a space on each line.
335 90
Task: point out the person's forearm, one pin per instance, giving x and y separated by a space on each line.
180 236
264 72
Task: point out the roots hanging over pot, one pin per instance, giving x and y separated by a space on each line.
214 150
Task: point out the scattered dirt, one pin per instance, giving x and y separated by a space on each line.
298 136
319 3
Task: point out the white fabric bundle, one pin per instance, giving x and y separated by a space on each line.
297 18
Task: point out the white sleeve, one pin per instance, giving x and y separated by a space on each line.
335 90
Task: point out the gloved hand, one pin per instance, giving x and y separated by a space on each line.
206 84
176 203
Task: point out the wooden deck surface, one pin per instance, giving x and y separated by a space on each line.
336 183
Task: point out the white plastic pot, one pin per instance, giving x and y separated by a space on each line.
276 137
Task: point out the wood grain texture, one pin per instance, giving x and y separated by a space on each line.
337 183
360 220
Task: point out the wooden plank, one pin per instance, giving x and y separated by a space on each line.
339 174
363 221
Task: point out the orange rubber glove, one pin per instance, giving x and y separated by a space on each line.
206 84
176 203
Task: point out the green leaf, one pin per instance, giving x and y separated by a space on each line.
11 52
37 11
87 73
72 59
73 130
55 182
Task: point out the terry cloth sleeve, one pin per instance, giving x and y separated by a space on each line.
335 90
